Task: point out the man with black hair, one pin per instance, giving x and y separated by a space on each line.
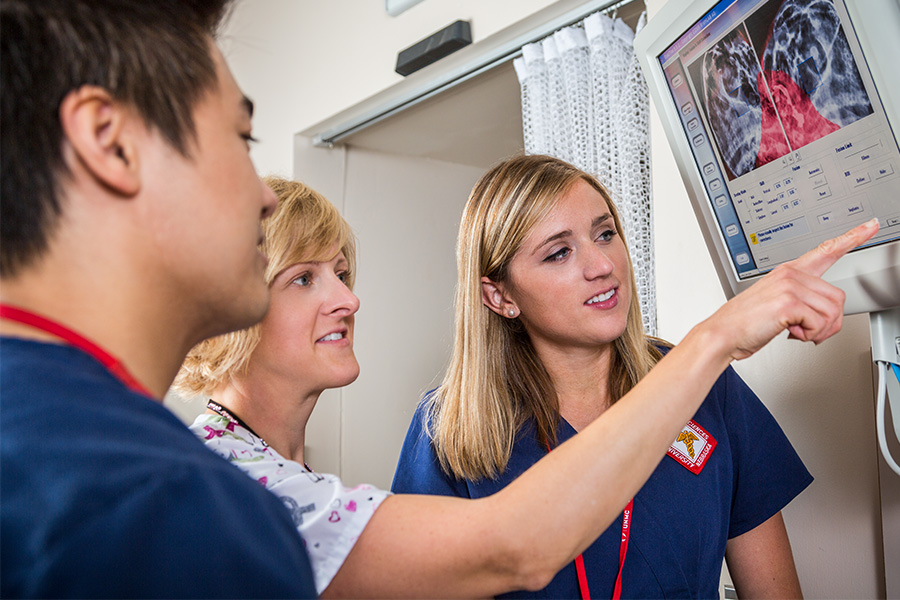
130 222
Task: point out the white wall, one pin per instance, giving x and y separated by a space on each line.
304 60
406 287
404 211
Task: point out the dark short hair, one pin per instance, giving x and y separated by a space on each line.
152 55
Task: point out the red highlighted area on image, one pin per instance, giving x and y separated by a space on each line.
793 115
781 79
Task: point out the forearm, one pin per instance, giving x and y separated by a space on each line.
523 535
581 487
430 546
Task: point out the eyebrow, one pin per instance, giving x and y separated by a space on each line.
299 266
600 220
565 233
248 105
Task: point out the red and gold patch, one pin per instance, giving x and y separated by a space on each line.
692 447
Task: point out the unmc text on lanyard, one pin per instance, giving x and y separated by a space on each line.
112 364
623 550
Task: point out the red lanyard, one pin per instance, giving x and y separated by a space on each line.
112 364
623 550
623 547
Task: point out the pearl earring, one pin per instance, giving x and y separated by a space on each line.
512 312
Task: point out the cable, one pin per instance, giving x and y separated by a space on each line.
881 410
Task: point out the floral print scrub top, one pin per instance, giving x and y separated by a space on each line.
329 516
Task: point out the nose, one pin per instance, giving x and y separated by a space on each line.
270 201
597 263
342 300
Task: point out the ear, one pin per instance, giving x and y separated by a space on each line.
96 129
494 297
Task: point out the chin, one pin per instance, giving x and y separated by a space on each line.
351 377
257 306
340 382
348 376
609 336
254 304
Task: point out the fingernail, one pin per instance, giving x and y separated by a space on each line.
872 223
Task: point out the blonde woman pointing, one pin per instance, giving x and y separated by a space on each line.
549 342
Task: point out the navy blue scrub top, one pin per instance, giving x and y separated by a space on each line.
681 521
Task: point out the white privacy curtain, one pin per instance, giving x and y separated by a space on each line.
584 100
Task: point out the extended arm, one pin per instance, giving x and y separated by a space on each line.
761 563
521 536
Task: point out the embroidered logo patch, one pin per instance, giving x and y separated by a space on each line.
692 447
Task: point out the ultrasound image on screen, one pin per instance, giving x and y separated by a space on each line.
811 73
780 80
729 80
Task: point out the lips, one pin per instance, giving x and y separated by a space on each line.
602 297
332 337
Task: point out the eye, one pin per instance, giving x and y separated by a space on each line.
607 235
344 276
248 138
559 255
303 280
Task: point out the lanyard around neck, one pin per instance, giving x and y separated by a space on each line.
623 550
224 412
233 418
112 364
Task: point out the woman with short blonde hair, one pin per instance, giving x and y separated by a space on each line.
304 228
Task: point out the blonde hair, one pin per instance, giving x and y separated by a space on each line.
304 227
496 381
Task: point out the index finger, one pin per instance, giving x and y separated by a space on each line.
819 259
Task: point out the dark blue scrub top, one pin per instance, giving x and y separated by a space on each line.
104 493
681 521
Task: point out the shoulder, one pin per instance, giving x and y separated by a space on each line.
158 533
728 386
233 442
662 345
103 468
420 426
428 404
50 374
419 470
734 394
417 446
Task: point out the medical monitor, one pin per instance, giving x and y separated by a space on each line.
784 117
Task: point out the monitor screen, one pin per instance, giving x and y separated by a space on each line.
782 129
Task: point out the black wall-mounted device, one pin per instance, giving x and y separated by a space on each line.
433 48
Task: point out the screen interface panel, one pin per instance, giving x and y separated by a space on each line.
786 127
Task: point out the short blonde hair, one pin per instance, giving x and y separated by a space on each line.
304 227
496 381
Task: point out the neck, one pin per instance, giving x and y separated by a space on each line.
274 411
581 379
145 342
102 277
